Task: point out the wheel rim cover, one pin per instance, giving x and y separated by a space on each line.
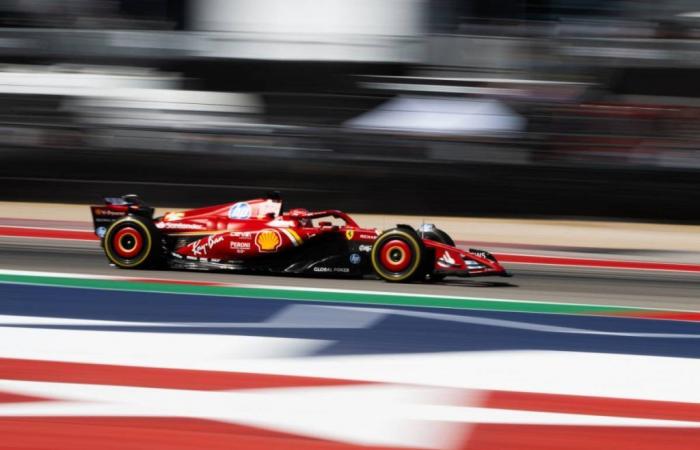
127 242
395 255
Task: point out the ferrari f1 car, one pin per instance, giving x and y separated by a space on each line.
256 236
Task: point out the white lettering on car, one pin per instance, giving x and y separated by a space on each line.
109 212
240 247
179 226
332 269
202 247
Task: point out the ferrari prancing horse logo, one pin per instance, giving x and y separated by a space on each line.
349 234
268 240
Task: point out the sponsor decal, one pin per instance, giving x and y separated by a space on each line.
108 212
355 258
243 235
368 237
240 247
481 253
446 260
349 234
240 210
281 223
365 248
100 231
331 269
268 240
179 226
202 246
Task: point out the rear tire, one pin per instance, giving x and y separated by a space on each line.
397 255
132 243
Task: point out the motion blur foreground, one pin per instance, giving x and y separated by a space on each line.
562 135
568 108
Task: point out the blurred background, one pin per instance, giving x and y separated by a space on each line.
566 108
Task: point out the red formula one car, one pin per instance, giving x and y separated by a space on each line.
256 236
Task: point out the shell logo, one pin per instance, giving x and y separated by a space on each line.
268 240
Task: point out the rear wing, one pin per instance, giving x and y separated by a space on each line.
115 208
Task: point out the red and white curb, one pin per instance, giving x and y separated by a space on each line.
447 401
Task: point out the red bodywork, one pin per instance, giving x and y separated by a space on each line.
456 261
258 230
244 232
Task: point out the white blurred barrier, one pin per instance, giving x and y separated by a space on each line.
312 30
441 115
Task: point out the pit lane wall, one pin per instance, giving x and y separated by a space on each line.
361 184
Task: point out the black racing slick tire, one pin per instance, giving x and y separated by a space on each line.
397 255
437 235
132 243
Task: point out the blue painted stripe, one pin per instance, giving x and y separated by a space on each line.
392 334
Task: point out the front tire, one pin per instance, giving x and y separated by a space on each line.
397 255
131 243
437 235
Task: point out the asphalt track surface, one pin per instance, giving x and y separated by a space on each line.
655 289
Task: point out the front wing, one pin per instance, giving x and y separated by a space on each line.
453 261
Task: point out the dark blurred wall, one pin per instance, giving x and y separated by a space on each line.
145 8
444 15
169 10
447 15
161 14
499 9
